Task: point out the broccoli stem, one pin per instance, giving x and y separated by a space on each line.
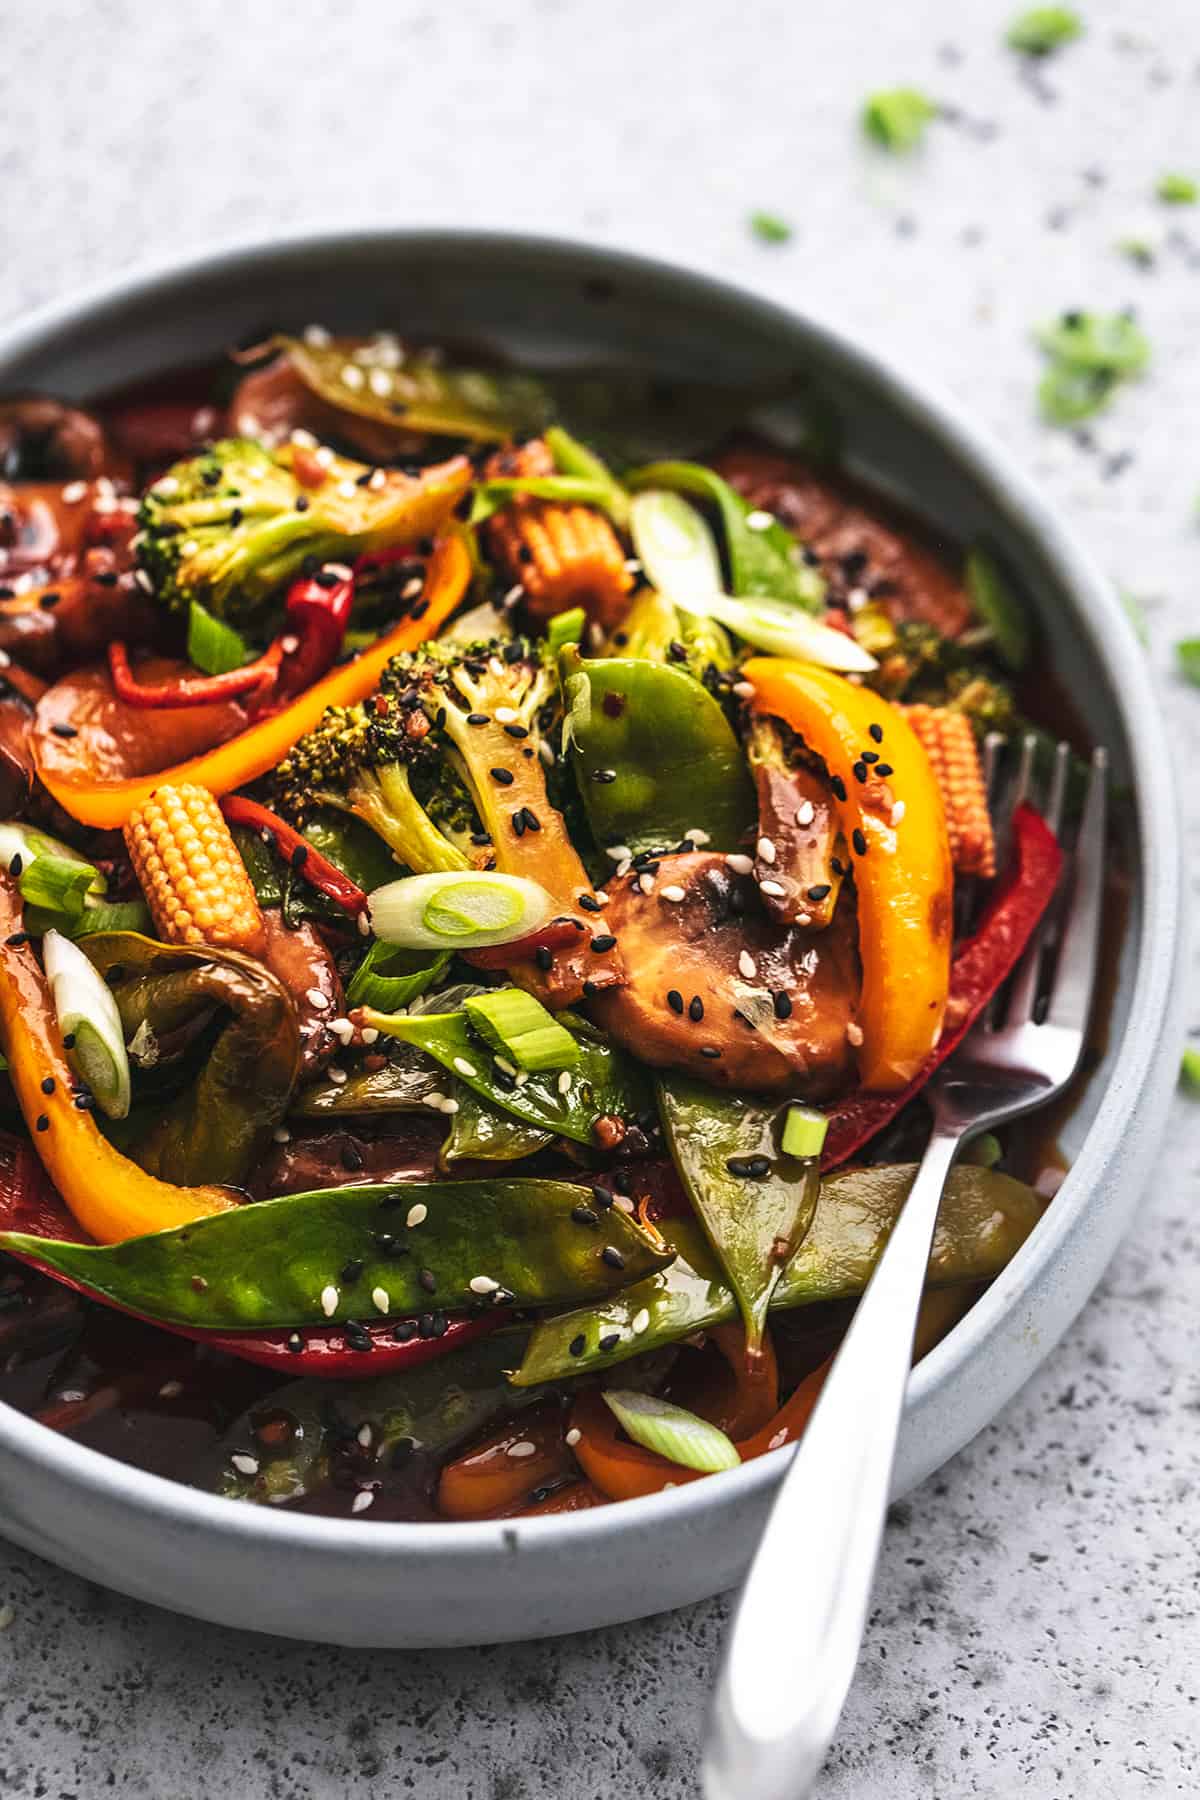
383 799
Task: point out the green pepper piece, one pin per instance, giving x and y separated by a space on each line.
754 1203
286 1261
676 764
764 559
567 1103
218 1127
985 1218
482 1131
430 1410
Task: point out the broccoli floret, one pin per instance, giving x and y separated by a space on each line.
656 630
231 526
362 763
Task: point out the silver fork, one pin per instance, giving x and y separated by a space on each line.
795 1638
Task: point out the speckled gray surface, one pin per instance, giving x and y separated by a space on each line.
1037 1622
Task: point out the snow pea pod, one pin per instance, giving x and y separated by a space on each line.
754 1203
654 755
985 1218
567 1102
355 1252
479 1130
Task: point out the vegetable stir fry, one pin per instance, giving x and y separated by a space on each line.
481 893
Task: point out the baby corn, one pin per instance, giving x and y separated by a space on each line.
949 742
188 865
562 555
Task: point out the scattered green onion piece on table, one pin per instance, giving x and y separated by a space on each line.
1177 190
1043 29
998 607
458 911
769 228
88 1014
1188 652
1189 1070
212 646
897 118
804 1132
671 1431
1107 343
515 1025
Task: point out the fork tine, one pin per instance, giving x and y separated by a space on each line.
1027 980
1075 976
1007 799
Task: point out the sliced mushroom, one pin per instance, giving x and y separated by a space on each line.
44 440
300 960
719 990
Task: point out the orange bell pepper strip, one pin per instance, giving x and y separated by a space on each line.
108 804
508 1466
110 1196
894 823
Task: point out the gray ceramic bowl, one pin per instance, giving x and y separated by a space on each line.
357 1583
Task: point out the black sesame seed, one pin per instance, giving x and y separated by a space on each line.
837 866
84 1102
43 1123
590 989
357 1336
869 756
820 891
503 776
876 731
603 776
403 1448
428 1280
64 731
295 1343
299 856
602 1197
404 1332
302 503
612 1256
518 822
759 1166
441 1323
782 1004
610 1340
603 943
588 903
425 1325
353 1270
544 958
532 822
69 1041
481 837
675 1000
696 1009
884 770
17 939
516 731
838 786
352 1157
17 864
860 771
859 842
583 1215
711 1051
49 601
48 1084
478 719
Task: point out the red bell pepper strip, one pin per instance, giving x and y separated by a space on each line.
555 934
256 677
981 966
296 850
29 1202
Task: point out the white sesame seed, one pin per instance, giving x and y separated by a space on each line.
573 1436
619 853
412 588
759 520
341 1029
316 337
522 1447
744 690
188 547
351 377
521 1077
380 1299
364 1498
464 1067
380 383
778 1440
5 659
622 869
564 1082
364 1436
854 1034
304 439
803 918
483 1284
449 1106
343 571
766 849
170 1390
698 837
364 925
143 581
165 486
289 645
282 1135
338 1077
324 457
672 893
376 479
503 1063
74 492
773 888
805 813
646 883
747 965
437 1100
741 865
515 594
316 998
245 1465
546 752
417 1214
623 1203
329 1300
641 1322
856 599
347 489
601 897
898 812
370 1035
505 715
203 421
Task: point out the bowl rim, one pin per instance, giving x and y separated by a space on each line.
1137 1056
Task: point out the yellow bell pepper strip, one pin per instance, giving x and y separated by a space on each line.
108 804
109 1196
894 823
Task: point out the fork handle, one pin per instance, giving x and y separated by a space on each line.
795 1638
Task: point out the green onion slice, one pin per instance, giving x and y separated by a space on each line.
513 1024
87 1013
573 458
804 1132
1189 1070
672 1431
565 628
998 607
458 911
212 646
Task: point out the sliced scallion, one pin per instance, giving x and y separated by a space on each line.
214 647
574 458
998 608
671 1431
88 1016
804 1132
513 1024
388 977
459 911
565 628
785 631
1189 1070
